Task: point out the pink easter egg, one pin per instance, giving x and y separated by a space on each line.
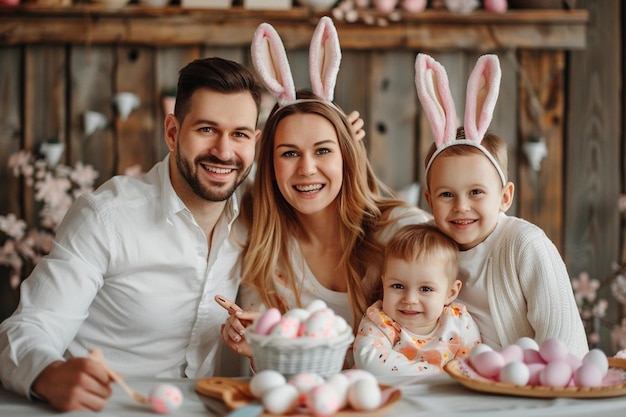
553 350
489 363
534 370
306 381
268 319
512 353
588 375
532 356
165 398
573 361
556 374
323 400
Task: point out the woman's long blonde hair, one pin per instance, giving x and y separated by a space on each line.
363 204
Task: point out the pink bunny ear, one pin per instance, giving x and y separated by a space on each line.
270 61
482 93
324 59
433 90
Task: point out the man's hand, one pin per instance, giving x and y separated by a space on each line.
356 123
77 384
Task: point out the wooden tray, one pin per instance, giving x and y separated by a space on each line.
460 370
235 393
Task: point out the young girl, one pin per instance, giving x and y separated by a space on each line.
318 217
515 282
416 328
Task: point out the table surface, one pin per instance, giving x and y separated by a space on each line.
435 397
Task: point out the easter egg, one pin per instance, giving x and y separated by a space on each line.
515 373
598 358
316 305
305 382
320 324
478 349
532 356
354 375
556 374
324 400
282 399
527 343
573 361
268 319
512 353
340 383
489 363
301 313
364 395
265 380
288 327
534 370
165 398
588 375
553 350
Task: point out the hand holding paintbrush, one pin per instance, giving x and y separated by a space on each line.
234 329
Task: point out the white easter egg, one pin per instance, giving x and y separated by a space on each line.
515 373
354 375
316 305
527 343
340 324
281 400
265 380
301 313
364 395
320 324
165 398
287 327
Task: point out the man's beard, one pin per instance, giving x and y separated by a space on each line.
216 193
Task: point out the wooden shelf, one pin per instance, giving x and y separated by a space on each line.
430 30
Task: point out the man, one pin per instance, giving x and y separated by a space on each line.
136 264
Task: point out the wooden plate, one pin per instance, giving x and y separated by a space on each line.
460 370
235 393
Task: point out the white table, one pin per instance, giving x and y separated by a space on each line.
437 397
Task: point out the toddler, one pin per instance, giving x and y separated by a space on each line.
416 327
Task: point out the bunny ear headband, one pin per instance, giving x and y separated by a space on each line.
431 82
270 61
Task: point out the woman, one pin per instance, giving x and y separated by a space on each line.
318 217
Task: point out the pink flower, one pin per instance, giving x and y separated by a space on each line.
12 226
585 288
84 175
618 288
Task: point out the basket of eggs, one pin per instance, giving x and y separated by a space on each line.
311 339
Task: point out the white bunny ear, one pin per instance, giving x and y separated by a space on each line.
433 90
270 61
324 59
482 93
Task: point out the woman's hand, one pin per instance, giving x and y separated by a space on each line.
233 330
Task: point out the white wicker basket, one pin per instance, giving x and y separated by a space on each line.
303 354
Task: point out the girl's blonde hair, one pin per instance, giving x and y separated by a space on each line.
363 203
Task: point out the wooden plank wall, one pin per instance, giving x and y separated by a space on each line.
45 90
